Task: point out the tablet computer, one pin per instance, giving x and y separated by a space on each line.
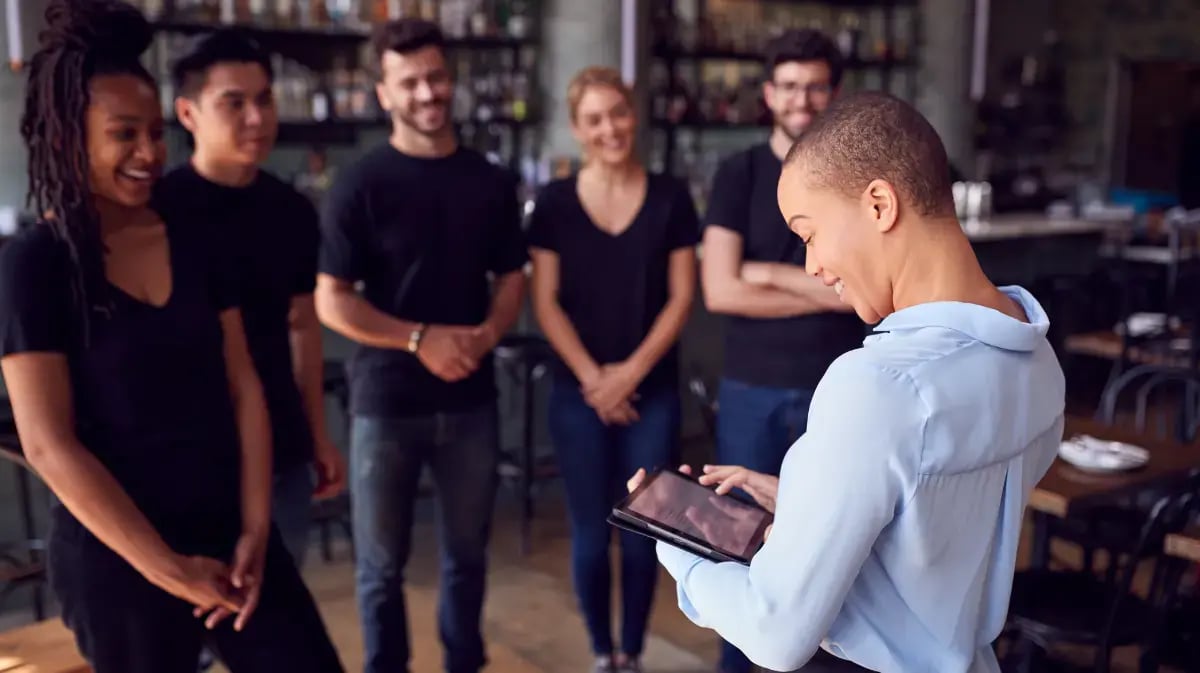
675 508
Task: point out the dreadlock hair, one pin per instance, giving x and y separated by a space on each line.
82 39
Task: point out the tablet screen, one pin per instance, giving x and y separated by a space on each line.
724 523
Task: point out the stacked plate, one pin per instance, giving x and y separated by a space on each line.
1101 455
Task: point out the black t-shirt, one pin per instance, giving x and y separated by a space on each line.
613 287
422 235
779 352
151 396
268 234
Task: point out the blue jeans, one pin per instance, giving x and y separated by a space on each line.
756 426
291 508
595 461
386 459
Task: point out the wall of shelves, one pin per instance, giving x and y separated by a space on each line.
321 56
706 71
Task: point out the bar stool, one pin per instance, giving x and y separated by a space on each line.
22 563
335 512
523 359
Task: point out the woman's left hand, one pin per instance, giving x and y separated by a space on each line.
249 558
616 384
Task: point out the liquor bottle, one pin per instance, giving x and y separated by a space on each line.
481 19
849 35
285 13
519 21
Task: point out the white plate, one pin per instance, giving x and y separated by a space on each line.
1101 455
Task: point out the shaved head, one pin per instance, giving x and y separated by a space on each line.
869 136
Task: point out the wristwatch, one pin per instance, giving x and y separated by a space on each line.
414 338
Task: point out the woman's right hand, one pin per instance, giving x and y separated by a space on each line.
622 413
762 487
203 582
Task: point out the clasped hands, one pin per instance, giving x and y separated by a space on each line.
611 391
453 352
219 590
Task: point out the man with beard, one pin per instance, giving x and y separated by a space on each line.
411 236
784 327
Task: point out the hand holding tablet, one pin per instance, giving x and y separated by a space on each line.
682 511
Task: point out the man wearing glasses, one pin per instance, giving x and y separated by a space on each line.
784 327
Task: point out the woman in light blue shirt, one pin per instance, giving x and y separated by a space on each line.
898 513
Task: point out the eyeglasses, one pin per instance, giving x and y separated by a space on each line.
811 89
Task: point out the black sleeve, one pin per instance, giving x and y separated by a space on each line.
542 220
35 295
343 229
683 229
508 251
729 199
307 242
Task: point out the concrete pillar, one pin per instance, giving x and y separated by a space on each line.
13 182
945 58
576 34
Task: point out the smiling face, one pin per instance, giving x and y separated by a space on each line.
125 146
233 116
845 238
416 89
797 92
605 125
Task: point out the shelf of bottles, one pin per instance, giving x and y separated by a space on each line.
705 78
324 92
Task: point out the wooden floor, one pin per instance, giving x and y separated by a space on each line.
531 621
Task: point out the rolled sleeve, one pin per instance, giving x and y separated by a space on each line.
343 246
841 484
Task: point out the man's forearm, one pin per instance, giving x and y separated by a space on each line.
795 280
348 314
507 293
737 297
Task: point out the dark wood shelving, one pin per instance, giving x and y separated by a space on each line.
345 131
673 54
350 36
708 125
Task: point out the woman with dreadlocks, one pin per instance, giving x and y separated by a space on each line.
134 394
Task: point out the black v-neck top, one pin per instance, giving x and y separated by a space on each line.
612 287
151 395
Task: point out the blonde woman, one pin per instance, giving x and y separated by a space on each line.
613 281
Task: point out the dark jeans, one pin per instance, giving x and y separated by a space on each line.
386 459
756 426
291 508
595 461
124 624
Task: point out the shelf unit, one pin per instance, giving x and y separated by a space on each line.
492 63
697 42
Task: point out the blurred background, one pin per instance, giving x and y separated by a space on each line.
1073 128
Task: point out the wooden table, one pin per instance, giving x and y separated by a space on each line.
42 647
1185 545
1066 489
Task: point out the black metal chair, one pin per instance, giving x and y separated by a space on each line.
1051 608
523 360
706 402
22 562
1114 526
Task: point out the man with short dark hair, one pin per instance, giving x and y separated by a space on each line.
269 232
898 513
422 225
783 327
